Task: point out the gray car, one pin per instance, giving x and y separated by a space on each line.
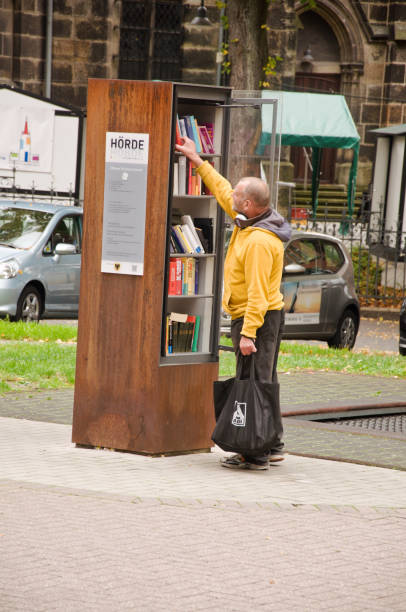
40 256
319 292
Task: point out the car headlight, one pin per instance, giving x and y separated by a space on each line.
9 269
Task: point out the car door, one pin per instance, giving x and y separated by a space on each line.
333 261
305 289
61 273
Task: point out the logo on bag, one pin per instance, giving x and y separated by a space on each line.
240 412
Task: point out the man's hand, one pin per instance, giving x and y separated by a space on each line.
247 346
189 150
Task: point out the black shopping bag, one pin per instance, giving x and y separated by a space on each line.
247 414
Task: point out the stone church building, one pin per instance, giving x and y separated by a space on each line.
353 47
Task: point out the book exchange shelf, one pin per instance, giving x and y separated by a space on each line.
147 352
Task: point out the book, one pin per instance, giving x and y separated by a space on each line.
188 126
192 181
178 136
182 128
182 239
202 239
196 276
172 277
182 175
190 325
207 143
195 338
176 178
176 319
177 242
184 276
195 244
190 275
178 276
195 134
169 335
188 221
210 130
182 332
205 224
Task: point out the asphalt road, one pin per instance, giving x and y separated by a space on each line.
373 335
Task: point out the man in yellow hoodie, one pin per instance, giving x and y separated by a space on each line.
252 278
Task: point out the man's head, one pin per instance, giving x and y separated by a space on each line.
251 196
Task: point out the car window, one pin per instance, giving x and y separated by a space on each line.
306 253
20 227
333 257
68 231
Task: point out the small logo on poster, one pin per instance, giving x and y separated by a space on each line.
117 266
240 413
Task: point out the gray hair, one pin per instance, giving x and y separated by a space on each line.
256 190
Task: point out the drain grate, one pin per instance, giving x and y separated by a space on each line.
394 423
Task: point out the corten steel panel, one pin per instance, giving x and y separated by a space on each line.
124 398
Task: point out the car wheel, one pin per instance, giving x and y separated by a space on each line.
346 333
402 351
29 307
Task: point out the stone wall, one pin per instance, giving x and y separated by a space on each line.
85 44
371 35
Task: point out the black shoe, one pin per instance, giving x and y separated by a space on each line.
237 462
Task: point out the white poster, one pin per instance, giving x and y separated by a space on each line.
125 200
26 138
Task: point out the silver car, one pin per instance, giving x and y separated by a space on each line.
40 256
319 292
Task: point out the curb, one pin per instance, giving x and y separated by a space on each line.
388 314
345 408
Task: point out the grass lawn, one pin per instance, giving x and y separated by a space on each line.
43 357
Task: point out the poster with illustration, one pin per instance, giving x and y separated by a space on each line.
26 138
302 302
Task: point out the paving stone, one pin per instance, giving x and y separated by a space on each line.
93 530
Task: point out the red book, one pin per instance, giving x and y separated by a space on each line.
206 140
210 131
178 276
193 185
172 277
190 322
179 139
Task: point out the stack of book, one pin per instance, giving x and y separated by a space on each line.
202 134
185 237
183 276
186 181
182 333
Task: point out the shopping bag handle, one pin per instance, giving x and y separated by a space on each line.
240 361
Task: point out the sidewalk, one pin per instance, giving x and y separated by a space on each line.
302 394
99 530
85 529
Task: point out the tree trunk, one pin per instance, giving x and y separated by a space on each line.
247 42
247 54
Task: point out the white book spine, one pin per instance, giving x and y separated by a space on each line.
191 239
176 178
187 220
182 175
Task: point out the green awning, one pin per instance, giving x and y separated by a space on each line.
317 121
312 120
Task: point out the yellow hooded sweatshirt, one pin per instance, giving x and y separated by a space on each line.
253 265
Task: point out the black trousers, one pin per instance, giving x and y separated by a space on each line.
266 359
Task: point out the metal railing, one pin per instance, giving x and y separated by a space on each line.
11 190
